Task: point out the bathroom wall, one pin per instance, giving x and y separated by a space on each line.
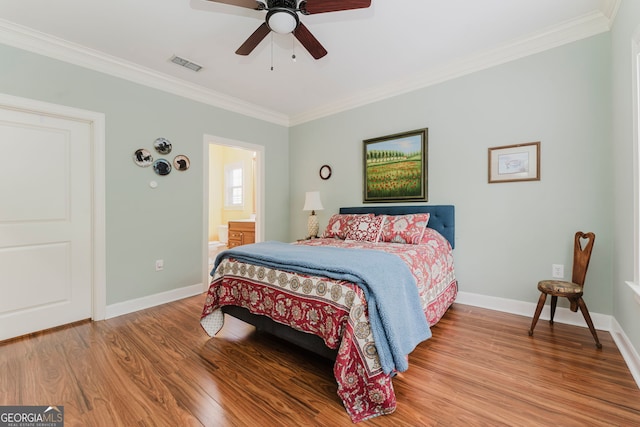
219 156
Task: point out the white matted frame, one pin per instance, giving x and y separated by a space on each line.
518 162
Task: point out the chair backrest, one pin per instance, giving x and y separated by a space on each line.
581 256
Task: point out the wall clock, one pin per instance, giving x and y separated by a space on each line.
325 172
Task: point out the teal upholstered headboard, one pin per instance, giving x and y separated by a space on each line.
442 217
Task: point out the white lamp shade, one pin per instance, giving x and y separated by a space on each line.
312 201
282 21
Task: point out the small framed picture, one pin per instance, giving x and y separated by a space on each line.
519 162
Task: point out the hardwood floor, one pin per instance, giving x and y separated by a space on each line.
157 367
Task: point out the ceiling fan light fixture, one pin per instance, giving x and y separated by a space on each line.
282 21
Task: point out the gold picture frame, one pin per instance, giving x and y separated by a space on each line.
518 162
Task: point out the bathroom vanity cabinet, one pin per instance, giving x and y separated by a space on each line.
241 233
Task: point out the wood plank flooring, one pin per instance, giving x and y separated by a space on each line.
157 367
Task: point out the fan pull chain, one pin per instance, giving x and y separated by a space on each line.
271 51
293 48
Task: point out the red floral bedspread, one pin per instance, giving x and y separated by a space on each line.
336 311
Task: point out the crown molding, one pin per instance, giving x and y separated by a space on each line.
570 31
44 44
609 9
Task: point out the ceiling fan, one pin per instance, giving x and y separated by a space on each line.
282 17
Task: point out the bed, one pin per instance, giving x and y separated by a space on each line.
325 303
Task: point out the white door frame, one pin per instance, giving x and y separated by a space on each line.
259 149
98 238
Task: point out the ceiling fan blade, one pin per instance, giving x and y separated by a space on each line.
250 4
310 43
254 40
322 6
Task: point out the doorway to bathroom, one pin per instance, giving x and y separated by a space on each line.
233 192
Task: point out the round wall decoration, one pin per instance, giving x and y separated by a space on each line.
142 157
162 167
162 145
181 162
325 172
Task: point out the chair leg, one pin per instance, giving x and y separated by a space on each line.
585 313
554 303
536 316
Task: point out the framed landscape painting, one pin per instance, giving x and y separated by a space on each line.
395 167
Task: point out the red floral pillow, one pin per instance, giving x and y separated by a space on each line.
338 224
365 228
432 238
404 228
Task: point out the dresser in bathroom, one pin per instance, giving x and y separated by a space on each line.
241 233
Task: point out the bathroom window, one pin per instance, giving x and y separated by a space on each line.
234 186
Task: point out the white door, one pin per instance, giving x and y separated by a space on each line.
45 221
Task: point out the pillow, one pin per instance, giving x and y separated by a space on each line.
404 228
433 238
338 223
365 228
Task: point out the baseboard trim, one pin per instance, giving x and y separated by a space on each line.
629 353
126 307
563 315
522 308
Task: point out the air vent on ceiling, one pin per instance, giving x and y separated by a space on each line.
186 63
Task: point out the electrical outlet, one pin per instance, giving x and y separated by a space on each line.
159 264
557 271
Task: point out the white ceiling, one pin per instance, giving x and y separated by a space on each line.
392 47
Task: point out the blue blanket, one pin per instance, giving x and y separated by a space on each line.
398 323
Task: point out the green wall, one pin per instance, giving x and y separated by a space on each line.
507 234
143 224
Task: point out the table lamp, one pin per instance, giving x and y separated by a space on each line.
312 203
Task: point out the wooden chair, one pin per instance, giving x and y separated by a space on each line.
572 290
